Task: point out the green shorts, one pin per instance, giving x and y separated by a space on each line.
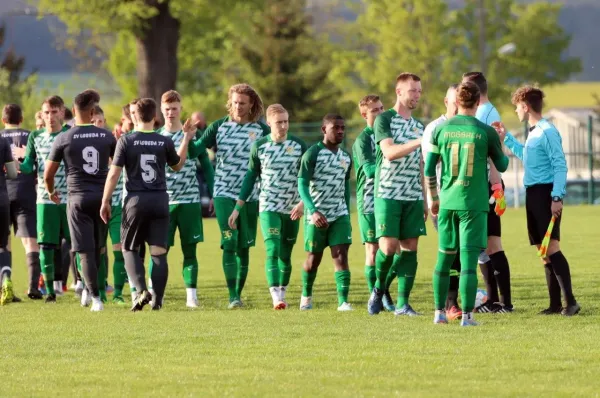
188 218
400 219
114 225
245 235
339 232
52 223
279 226
461 227
366 224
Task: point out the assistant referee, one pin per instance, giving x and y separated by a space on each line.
545 182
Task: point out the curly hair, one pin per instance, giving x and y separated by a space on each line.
257 105
532 96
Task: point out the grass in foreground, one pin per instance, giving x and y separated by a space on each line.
63 349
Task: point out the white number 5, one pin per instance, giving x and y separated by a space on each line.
148 172
91 157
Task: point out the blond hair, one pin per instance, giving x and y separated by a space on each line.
367 100
257 105
275 109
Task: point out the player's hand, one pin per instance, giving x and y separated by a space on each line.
55 198
297 211
498 198
105 212
211 207
556 208
189 129
233 219
18 152
319 220
117 131
425 209
500 129
434 207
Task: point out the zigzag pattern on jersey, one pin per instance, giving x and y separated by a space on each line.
401 179
43 144
182 186
117 197
327 187
369 187
234 142
279 165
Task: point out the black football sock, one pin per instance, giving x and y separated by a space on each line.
135 269
89 271
553 287
33 266
487 271
502 276
159 276
560 266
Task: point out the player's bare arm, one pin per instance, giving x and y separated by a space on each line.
297 211
393 151
190 132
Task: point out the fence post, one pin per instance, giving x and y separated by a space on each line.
590 160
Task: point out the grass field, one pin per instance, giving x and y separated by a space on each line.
63 349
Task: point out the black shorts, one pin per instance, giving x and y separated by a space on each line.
23 218
538 202
145 218
88 231
4 222
494 225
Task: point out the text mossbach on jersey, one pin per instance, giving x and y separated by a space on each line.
151 143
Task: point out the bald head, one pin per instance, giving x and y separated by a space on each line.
450 101
199 120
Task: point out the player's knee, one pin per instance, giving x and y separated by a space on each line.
409 245
116 247
494 244
312 261
30 245
272 247
553 247
388 245
157 250
371 251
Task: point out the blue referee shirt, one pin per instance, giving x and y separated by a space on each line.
543 157
487 113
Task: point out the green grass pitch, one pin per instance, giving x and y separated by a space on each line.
63 349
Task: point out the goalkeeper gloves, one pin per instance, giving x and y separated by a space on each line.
498 198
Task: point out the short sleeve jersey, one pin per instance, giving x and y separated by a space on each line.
277 164
234 142
398 179
39 145
464 144
144 155
86 151
5 157
23 187
182 185
363 153
327 172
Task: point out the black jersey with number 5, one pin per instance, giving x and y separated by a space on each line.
86 151
145 156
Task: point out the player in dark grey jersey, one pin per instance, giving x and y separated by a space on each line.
6 162
22 195
145 218
86 151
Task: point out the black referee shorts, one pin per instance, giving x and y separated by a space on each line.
538 202
493 220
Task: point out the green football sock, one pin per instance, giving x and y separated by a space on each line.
393 272
190 265
383 264
243 258
370 276
285 264
230 270
150 266
441 279
308 280
47 266
272 262
342 282
468 279
119 273
407 270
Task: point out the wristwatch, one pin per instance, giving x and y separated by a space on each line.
556 199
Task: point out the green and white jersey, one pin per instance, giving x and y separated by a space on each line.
38 148
117 198
182 185
327 173
363 152
233 142
277 164
399 179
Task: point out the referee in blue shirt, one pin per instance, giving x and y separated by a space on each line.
545 181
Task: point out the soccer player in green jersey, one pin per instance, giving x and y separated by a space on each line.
185 210
324 186
233 136
275 159
51 217
400 210
363 154
464 144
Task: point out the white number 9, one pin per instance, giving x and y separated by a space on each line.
148 172
92 159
